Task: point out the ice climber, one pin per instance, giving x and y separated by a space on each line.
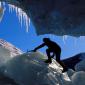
52 50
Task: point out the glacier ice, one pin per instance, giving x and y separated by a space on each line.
80 66
30 69
78 78
70 72
64 38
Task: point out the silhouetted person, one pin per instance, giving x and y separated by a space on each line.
52 48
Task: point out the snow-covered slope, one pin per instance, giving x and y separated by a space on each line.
30 69
7 51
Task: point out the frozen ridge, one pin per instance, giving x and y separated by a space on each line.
11 48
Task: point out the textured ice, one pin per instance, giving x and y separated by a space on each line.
80 66
70 72
30 69
78 78
22 16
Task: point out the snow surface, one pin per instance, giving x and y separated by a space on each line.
30 69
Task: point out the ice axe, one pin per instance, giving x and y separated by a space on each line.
31 51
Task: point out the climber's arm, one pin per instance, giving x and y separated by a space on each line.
40 46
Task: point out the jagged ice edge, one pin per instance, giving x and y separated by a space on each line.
22 16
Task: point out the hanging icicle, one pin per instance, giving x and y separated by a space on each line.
22 16
0 5
2 9
64 38
10 8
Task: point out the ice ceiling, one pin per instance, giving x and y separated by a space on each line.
59 17
22 16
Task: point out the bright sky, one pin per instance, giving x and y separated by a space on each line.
11 31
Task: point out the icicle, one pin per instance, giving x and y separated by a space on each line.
29 23
64 38
0 4
26 21
13 7
2 9
19 14
16 9
21 19
10 8
3 4
22 16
